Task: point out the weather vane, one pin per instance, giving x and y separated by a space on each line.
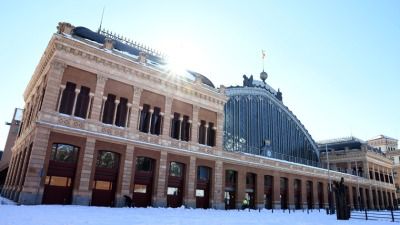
263 74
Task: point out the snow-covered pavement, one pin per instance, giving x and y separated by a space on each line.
83 215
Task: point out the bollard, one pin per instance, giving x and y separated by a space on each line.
259 209
366 214
307 211
272 210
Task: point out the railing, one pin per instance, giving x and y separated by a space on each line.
387 215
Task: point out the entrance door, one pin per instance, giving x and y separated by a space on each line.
268 191
105 179
143 183
203 187
284 192
176 181
250 189
60 174
230 189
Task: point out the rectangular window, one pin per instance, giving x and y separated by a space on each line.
199 193
156 122
140 188
102 185
109 107
211 135
122 110
82 102
176 169
67 98
58 181
202 132
172 191
175 126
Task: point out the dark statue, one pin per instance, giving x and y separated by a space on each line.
248 82
342 209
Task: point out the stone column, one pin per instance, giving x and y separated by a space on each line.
315 193
260 204
98 99
162 122
277 190
128 111
54 77
16 176
151 111
194 128
62 87
127 175
135 115
77 91
180 128
167 117
373 171
206 134
217 201
83 195
190 198
219 130
6 186
23 169
33 188
91 95
116 102
349 167
161 198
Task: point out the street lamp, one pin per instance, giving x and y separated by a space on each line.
330 197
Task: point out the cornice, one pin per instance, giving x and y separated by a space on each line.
129 70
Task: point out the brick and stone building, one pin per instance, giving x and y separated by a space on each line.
372 169
11 137
105 118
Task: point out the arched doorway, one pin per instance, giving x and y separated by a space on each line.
176 181
284 192
250 189
203 187
268 191
143 181
105 178
60 174
230 189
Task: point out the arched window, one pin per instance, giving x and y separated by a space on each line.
144 164
82 102
64 153
107 159
108 112
67 99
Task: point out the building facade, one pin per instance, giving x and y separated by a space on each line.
11 137
105 118
384 143
374 171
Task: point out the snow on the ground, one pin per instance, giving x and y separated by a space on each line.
5 201
85 215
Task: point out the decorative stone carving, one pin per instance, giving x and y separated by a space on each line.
108 43
65 28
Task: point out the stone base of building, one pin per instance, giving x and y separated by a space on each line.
81 200
219 205
27 198
160 203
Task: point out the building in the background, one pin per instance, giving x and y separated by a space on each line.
384 143
395 157
105 118
12 136
374 171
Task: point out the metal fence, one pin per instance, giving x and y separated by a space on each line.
386 215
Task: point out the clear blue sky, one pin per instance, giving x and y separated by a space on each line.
336 62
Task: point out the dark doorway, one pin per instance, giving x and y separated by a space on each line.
143 182
105 179
250 189
60 174
268 191
297 194
176 181
310 197
284 192
321 195
203 187
230 189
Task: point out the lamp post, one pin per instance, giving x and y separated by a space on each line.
330 197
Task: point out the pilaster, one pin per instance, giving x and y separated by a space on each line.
98 97
218 202
54 77
161 198
190 199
